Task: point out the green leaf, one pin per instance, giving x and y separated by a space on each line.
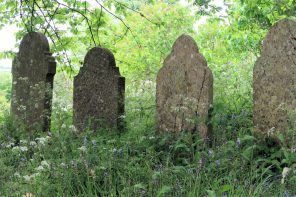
226 188
165 189
211 193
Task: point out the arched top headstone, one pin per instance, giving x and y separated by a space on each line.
34 41
185 52
33 71
99 60
98 91
274 79
186 43
184 90
279 37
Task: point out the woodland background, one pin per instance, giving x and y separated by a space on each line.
135 161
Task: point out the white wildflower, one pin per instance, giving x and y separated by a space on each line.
23 148
27 177
17 174
151 137
73 128
63 126
30 177
41 140
45 164
16 148
33 143
23 141
82 148
40 168
9 145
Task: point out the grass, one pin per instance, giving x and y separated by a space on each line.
136 162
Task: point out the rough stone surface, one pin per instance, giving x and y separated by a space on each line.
33 70
274 79
98 92
184 92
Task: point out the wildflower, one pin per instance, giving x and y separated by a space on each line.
73 163
40 168
30 177
287 194
33 143
284 174
105 174
72 128
23 141
23 148
210 152
45 164
218 162
94 142
238 142
151 138
27 177
9 145
120 152
85 141
17 174
82 149
63 126
63 164
28 195
41 140
224 195
16 148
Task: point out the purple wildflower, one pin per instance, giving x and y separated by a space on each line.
218 162
94 142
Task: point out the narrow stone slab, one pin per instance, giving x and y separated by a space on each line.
33 70
184 91
274 79
98 92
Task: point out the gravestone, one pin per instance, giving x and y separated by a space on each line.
184 92
33 70
98 92
274 79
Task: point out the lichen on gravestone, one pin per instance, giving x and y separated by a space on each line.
98 92
33 70
274 80
184 92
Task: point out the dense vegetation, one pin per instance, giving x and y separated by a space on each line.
135 161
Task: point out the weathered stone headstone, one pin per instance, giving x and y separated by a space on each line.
184 92
98 92
274 79
33 70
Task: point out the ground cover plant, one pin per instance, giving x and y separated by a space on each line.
135 161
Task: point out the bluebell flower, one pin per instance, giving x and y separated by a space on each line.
238 142
224 195
287 194
218 162
85 141
94 142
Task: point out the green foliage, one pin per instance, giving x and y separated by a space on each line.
136 162
263 12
